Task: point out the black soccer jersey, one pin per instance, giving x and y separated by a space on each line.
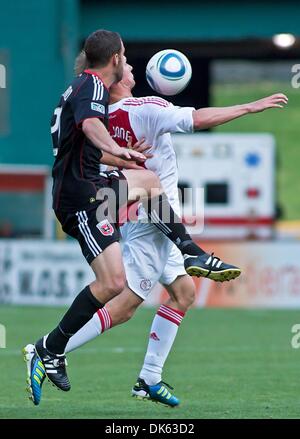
76 167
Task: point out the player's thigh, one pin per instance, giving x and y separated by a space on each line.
109 264
99 242
141 184
145 253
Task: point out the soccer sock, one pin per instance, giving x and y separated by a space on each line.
162 215
100 322
162 335
79 313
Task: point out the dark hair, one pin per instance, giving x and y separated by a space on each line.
100 46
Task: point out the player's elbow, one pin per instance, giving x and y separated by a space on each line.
199 122
196 120
87 126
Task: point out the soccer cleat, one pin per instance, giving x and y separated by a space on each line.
35 373
54 364
157 393
210 266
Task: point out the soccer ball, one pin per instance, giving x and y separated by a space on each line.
168 72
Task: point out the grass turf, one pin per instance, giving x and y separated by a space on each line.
225 364
284 124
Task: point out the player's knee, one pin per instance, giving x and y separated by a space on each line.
153 182
110 288
127 314
116 285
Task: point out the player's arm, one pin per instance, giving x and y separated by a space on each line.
210 117
117 162
97 133
88 103
140 146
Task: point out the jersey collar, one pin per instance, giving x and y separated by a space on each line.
95 74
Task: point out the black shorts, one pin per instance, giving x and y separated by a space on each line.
94 232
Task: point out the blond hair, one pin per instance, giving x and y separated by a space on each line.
81 63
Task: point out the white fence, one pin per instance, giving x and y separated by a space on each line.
52 273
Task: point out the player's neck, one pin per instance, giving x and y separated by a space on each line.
105 75
116 97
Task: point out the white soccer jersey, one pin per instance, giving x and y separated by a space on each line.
153 118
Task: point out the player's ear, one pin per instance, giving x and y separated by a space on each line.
116 59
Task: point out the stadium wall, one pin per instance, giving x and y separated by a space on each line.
39 45
48 273
192 20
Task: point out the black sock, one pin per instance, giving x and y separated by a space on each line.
165 219
80 312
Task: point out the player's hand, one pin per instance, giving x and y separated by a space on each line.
130 164
278 100
130 154
140 146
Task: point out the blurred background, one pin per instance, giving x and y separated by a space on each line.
249 168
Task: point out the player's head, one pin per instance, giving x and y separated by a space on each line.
123 88
128 78
102 48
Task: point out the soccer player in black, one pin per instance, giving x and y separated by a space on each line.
79 135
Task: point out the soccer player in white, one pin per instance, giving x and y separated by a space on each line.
149 256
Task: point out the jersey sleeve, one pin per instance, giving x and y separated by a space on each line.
89 100
163 117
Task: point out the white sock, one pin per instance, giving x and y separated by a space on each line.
100 322
162 335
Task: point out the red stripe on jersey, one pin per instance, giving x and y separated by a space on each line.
120 130
148 101
144 103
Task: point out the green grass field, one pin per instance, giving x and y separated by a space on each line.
225 364
284 124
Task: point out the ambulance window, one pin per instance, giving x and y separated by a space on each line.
216 193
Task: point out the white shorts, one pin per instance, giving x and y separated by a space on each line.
149 257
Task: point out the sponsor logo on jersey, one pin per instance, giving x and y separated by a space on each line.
154 336
105 228
98 107
145 284
67 93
